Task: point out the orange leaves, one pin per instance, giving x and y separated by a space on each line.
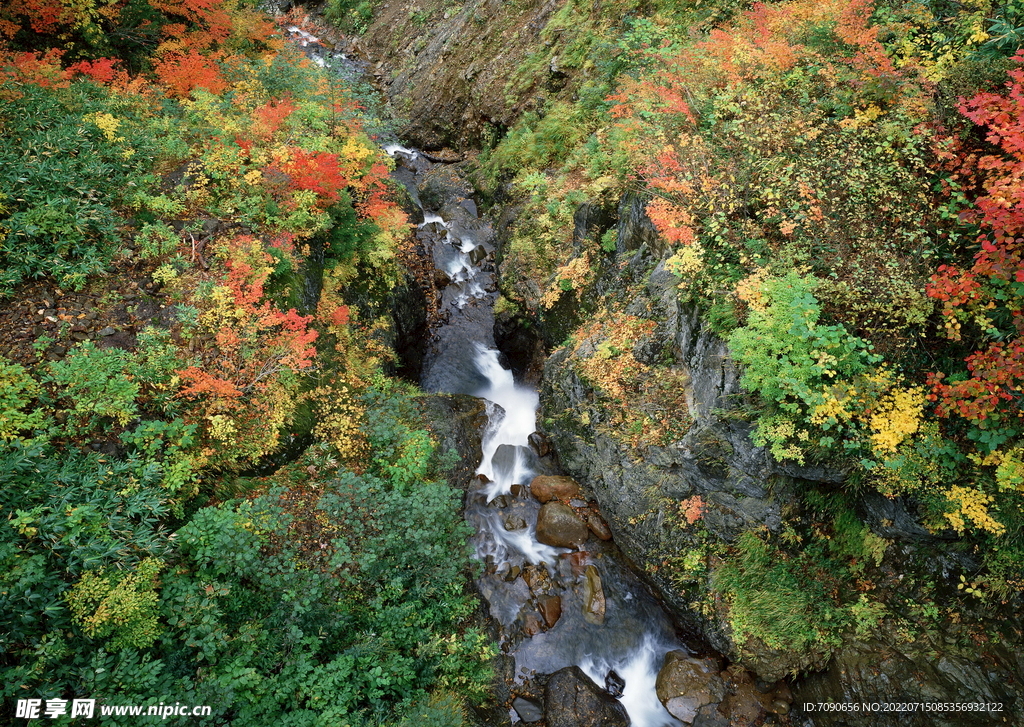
43 16
269 117
199 383
692 509
1001 208
208 21
40 69
340 316
101 70
993 288
181 73
317 172
672 221
243 386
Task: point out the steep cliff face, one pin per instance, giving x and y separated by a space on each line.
455 73
741 487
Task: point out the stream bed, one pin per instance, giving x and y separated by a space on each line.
575 604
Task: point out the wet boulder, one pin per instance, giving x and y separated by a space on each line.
599 527
477 254
539 444
594 603
573 700
527 709
558 525
614 684
554 487
550 608
685 684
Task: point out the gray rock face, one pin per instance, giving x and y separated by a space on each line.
743 488
449 76
558 525
456 421
527 709
873 672
573 700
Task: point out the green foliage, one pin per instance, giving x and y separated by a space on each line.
538 141
98 384
18 391
777 600
790 358
351 15
156 240
121 606
69 175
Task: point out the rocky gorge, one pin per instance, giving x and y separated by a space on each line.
590 488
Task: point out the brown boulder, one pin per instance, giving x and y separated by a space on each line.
550 608
599 527
593 597
554 487
685 684
558 525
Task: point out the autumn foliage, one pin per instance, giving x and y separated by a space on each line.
271 169
988 296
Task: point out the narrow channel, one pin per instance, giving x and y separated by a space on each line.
557 606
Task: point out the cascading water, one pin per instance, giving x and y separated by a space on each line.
633 633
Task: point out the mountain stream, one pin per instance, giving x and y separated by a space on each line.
609 625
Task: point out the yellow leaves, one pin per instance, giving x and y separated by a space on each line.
222 308
972 507
778 434
222 428
896 417
354 151
1010 471
862 118
340 419
686 262
751 290
574 275
107 123
122 606
834 407
165 273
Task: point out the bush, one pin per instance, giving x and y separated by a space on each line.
777 600
64 156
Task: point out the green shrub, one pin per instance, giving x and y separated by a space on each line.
18 391
98 384
69 174
790 358
776 600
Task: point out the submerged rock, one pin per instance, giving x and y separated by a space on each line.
558 525
550 608
573 700
685 684
594 603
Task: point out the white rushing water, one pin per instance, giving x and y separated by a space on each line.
392 149
636 634
639 669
